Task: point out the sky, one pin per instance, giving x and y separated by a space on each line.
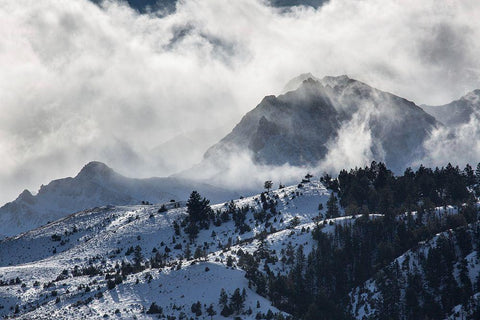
148 93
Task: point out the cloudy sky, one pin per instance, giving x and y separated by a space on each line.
79 82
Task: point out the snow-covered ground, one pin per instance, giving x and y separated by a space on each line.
46 260
95 185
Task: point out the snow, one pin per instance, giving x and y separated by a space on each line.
95 185
101 237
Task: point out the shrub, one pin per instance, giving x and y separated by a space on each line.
154 309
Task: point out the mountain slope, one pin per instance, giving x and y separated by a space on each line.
95 185
269 252
457 112
301 127
56 263
438 279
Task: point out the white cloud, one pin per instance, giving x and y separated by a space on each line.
459 145
353 145
79 83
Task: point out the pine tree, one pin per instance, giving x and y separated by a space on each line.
192 231
197 308
210 311
236 301
137 256
188 252
477 173
268 185
198 210
199 253
469 175
332 207
223 300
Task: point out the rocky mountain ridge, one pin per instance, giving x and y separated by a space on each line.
302 126
95 185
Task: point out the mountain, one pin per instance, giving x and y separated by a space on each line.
457 112
143 6
439 277
379 247
302 126
290 253
95 185
68 268
168 6
291 3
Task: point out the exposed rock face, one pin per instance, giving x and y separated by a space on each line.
300 126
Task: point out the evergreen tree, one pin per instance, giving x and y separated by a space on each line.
268 185
137 256
236 301
188 252
198 210
196 308
332 207
223 300
210 311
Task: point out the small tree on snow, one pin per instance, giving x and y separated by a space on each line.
237 301
211 312
223 300
268 185
137 256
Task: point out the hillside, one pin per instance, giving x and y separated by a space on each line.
297 252
95 185
56 263
438 279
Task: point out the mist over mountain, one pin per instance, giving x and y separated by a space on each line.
457 112
351 191
95 185
310 125
159 6
168 6
456 142
82 81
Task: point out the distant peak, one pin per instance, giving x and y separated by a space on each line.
298 80
306 76
95 168
95 165
26 194
336 80
310 81
26 197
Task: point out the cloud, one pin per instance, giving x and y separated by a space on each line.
81 83
353 145
459 145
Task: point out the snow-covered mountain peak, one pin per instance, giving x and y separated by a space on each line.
96 169
95 185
